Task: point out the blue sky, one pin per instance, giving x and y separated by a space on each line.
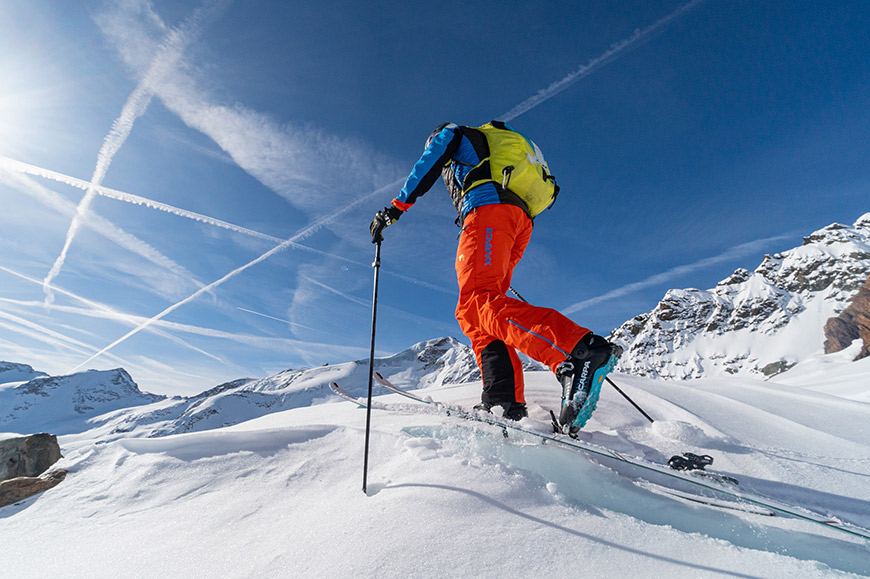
186 186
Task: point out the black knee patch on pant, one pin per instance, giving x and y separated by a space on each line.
497 373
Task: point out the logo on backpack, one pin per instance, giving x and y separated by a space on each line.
516 164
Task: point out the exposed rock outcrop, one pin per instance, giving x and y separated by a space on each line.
853 323
28 456
22 460
20 488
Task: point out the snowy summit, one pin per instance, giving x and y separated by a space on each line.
756 324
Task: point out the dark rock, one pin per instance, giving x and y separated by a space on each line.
28 456
851 324
20 488
775 368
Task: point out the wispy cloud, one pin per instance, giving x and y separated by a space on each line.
12 165
614 52
41 333
301 234
307 166
98 310
267 316
166 57
367 303
180 277
752 247
166 329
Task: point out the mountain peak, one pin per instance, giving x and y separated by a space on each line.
64 403
12 372
758 323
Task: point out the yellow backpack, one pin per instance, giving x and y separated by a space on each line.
515 163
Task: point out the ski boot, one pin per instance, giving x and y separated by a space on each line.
581 375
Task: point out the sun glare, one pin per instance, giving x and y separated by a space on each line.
26 101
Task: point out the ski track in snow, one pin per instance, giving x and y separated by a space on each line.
280 495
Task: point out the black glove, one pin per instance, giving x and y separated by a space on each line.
382 219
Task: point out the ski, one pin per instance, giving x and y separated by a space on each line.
686 496
693 478
342 393
708 501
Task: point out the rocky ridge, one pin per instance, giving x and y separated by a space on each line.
61 404
852 324
752 323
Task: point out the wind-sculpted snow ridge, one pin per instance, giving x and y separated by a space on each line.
757 323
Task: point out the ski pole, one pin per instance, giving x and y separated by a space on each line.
609 381
618 389
377 266
516 293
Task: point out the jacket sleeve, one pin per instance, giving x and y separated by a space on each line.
427 170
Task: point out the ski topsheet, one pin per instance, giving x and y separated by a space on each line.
657 474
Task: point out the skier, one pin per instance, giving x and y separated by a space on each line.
496 217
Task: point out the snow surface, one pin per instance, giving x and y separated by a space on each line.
280 495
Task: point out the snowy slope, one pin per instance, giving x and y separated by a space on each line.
752 324
279 496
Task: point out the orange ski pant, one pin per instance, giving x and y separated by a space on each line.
491 245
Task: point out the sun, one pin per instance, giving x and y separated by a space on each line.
29 99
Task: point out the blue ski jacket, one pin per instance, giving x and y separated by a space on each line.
452 154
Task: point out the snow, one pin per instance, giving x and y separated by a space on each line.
753 324
280 495
833 373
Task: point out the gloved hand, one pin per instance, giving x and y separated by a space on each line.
382 219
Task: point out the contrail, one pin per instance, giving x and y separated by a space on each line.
659 278
58 203
14 165
167 56
301 234
288 322
109 313
43 334
614 52
368 303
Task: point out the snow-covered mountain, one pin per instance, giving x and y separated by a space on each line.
757 323
64 404
430 363
111 402
11 372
